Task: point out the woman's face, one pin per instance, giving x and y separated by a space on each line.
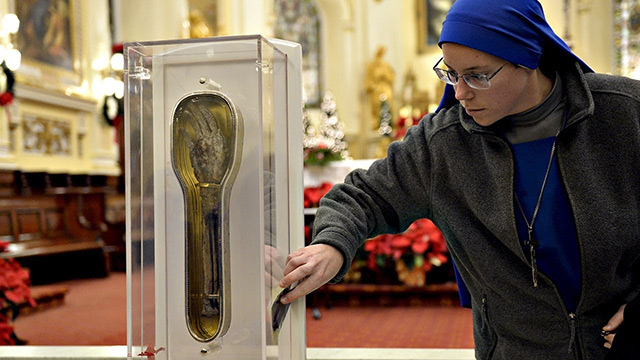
513 89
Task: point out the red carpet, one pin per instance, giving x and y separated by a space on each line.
93 313
391 327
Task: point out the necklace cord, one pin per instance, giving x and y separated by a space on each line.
531 242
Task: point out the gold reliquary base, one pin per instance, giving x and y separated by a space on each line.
206 150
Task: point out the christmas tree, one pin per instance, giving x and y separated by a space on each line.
328 143
385 128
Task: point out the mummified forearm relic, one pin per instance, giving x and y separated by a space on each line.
206 149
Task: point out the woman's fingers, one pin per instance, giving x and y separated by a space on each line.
608 340
303 288
608 331
312 267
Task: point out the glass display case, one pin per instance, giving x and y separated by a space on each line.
214 187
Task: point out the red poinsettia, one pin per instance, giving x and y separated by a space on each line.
6 331
14 290
313 194
414 251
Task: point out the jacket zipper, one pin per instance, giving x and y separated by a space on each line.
484 312
572 315
572 324
485 323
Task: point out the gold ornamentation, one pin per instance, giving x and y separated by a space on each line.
46 136
206 148
379 85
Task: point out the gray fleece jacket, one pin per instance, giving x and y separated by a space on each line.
461 176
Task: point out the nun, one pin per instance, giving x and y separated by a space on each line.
526 169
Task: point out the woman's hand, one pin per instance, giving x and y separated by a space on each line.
311 266
609 330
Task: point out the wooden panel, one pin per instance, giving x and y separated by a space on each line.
6 226
58 180
6 178
55 221
8 183
29 224
55 225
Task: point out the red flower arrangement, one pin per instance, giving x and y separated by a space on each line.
412 253
313 194
409 255
14 290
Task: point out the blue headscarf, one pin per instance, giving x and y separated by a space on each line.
513 30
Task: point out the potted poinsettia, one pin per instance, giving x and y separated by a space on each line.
14 290
411 254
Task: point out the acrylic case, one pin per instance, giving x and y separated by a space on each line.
214 187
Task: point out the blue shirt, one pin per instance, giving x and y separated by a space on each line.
558 254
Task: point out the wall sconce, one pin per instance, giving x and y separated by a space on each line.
117 62
12 56
117 65
113 84
112 87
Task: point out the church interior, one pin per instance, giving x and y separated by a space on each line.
366 78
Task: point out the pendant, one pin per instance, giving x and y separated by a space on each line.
532 243
206 151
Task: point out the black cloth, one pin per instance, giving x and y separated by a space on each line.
626 343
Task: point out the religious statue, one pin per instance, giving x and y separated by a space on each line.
198 27
379 85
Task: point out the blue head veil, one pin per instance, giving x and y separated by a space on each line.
513 30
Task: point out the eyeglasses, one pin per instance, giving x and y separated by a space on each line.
475 81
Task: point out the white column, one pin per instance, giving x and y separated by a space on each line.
249 17
144 20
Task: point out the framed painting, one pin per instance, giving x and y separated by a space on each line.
431 14
49 40
300 21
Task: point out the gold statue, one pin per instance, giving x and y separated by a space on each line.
379 85
198 27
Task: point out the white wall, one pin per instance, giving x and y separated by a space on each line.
592 29
146 20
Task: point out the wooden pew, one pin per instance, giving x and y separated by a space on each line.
55 224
